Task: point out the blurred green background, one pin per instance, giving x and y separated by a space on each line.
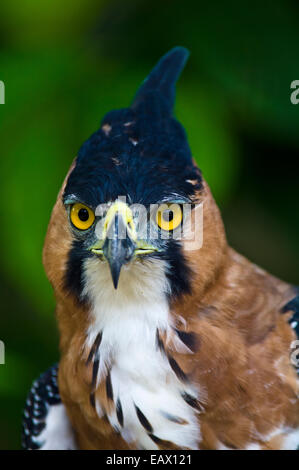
65 64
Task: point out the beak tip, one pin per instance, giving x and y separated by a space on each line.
115 273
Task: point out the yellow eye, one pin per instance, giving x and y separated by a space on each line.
81 216
169 216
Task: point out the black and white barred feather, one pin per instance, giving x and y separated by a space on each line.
45 423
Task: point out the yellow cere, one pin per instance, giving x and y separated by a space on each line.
82 217
122 209
169 216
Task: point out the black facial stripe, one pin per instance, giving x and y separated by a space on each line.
73 280
178 272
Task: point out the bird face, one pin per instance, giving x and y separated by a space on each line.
126 194
119 233
143 225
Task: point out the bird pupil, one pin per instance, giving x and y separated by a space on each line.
83 215
168 216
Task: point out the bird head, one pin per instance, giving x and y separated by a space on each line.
130 195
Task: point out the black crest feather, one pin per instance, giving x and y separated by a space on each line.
141 151
162 79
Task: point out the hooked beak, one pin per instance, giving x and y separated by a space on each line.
118 248
119 244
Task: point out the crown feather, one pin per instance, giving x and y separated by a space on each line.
162 79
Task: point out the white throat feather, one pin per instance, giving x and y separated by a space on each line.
141 377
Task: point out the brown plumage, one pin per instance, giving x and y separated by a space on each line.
228 341
242 361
